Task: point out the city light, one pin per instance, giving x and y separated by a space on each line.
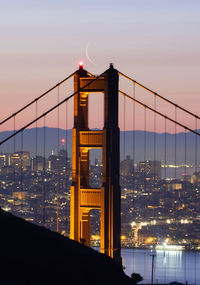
169 247
165 242
142 222
6 209
184 221
123 237
133 224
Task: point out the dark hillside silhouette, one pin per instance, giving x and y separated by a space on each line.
34 255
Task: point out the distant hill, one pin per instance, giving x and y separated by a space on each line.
34 255
51 138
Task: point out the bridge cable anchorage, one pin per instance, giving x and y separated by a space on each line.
159 113
51 109
36 99
160 96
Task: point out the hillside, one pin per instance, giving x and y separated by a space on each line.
35 255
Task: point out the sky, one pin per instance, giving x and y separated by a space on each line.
156 42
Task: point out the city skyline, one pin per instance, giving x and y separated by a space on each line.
136 144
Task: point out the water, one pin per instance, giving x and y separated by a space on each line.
169 266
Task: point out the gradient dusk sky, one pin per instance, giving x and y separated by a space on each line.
156 42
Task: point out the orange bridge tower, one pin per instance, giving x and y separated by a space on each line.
83 197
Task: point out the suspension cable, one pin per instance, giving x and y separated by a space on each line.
133 174
165 179
133 129
185 159
58 159
195 257
154 150
51 109
159 113
185 195
145 158
14 166
66 159
154 165
124 148
36 99
196 153
175 141
44 174
158 95
165 158
21 170
36 137
145 181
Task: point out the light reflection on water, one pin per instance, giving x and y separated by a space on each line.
169 266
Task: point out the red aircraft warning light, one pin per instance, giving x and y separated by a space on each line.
80 65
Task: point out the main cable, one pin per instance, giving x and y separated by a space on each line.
36 99
51 109
158 95
159 113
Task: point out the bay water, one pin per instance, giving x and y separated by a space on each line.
169 266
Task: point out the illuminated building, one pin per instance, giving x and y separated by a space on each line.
18 161
195 177
2 160
58 162
52 162
25 159
38 163
149 167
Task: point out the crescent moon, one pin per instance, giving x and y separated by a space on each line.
87 55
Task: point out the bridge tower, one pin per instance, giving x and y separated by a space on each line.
83 197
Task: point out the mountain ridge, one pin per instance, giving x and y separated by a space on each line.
135 143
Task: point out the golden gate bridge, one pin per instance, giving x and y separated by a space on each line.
130 106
